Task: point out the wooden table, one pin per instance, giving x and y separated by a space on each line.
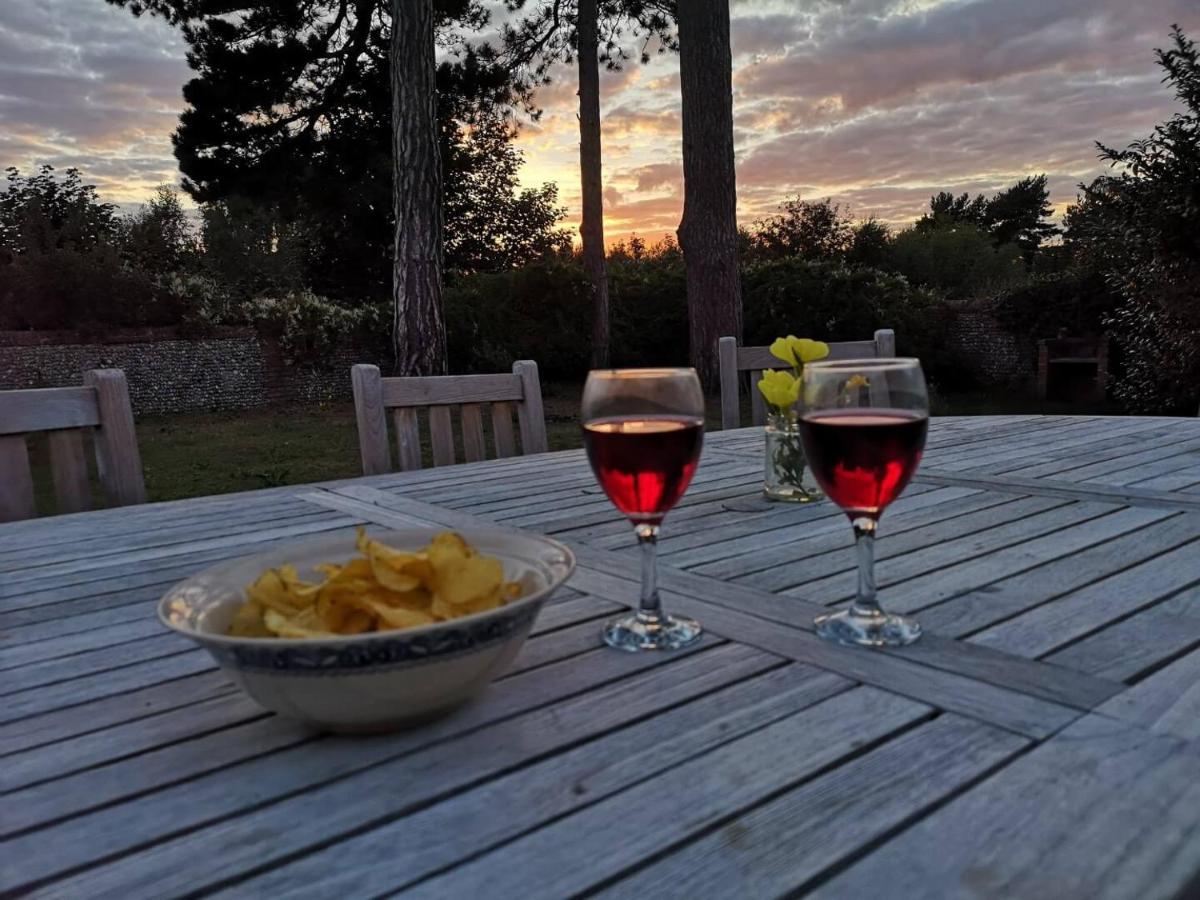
1039 741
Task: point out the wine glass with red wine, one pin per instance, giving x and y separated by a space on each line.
643 429
863 424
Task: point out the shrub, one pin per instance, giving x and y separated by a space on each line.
310 327
649 309
1077 301
961 261
86 291
544 312
1140 228
541 312
833 302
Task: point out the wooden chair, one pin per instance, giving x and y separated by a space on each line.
734 360
102 405
374 395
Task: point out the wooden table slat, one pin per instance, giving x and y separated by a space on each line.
1041 735
1085 795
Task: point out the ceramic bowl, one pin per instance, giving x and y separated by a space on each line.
377 681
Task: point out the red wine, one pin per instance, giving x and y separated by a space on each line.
644 463
863 458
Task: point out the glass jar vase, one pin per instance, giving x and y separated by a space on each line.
786 475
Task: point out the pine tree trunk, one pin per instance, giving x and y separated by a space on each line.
708 230
418 329
592 227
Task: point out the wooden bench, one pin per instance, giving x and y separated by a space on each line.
100 406
735 360
1073 363
503 393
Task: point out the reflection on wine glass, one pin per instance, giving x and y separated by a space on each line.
643 429
863 424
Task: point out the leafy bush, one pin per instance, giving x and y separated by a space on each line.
206 302
812 229
962 261
1074 300
544 312
309 327
85 291
540 312
649 308
60 265
1141 229
833 302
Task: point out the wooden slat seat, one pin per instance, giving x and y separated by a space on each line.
735 360
102 407
374 396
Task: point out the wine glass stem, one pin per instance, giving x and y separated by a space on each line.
864 542
650 608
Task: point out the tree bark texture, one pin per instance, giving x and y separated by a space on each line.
708 230
592 226
418 328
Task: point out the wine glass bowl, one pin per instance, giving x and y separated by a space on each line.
643 430
863 425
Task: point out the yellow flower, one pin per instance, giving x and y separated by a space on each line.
811 351
780 389
857 381
797 351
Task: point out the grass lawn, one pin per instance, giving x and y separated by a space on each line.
196 454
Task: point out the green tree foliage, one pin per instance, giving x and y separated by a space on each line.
1076 300
1019 215
959 260
44 212
835 302
870 244
545 34
1140 228
159 238
251 250
945 208
289 112
61 260
805 228
495 224
1016 215
541 311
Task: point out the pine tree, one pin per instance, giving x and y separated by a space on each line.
588 32
289 107
708 232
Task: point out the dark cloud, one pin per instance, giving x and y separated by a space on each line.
86 84
881 103
875 103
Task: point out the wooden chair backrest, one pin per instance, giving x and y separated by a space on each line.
374 396
101 406
734 360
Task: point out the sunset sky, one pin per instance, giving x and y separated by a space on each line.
874 103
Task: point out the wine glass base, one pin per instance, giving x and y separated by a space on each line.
883 630
634 633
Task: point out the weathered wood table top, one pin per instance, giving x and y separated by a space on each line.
1039 741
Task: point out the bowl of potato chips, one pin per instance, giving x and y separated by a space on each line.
372 632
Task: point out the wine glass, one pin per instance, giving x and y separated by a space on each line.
643 429
863 425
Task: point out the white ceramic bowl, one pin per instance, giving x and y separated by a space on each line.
376 681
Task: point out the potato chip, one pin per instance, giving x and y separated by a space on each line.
397 616
284 627
248 621
270 592
383 589
468 579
